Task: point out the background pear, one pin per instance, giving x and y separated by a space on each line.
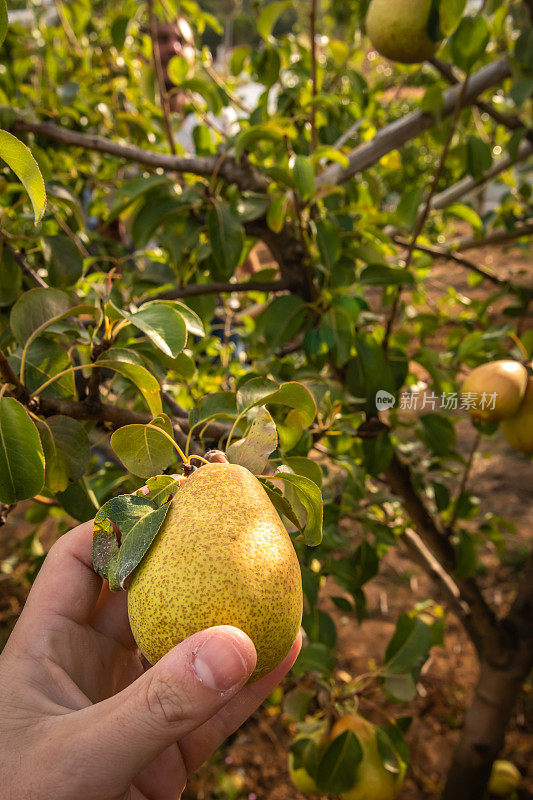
300 777
504 778
506 379
222 557
398 29
518 430
374 782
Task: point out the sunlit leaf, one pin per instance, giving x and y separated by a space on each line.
19 158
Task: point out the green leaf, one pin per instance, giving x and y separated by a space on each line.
304 177
369 373
281 504
162 323
177 69
379 275
306 467
282 319
21 453
217 404
143 450
122 362
68 199
469 42
328 240
295 395
161 488
3 21
439 433
227 239
451 12
407 209
319 627
406 653
337 769
45 358
265 131
132 191
193 323
78 501
119 29
467 214
151 216
315 657
19 158
66 451
311 498
65 262
261 440
478 157
138 521
277 212
269 16
34 309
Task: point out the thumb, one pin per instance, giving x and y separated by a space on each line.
183 690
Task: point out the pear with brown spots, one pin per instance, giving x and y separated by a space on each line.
222 557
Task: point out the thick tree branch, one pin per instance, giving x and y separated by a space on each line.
223 288
409 127
241 174
495 237
480 621
511 121
469 184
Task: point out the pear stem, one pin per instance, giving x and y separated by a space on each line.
200 458
520 345
174 444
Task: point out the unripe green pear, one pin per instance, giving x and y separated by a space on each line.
504 778
300 777
494 391
374 782
221 557
518 430
398 29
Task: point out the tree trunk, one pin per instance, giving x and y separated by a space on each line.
485 724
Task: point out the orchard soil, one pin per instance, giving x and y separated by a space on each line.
254 760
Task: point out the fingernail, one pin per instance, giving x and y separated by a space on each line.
219 665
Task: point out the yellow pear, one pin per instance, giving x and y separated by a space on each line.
222 557
494 391
398 29
504 778
518 430
374 782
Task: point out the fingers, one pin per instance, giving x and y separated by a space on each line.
184 689
66 585
110 617
198 745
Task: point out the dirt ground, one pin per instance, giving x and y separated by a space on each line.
253 763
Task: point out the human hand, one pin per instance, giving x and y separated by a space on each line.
80 716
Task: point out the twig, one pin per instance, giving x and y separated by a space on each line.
469 184
221 288
312 34
176 409
423 555
218 80
423 215
160 76
464 481
443 253
25 267
393 136
511 121
480 623
495 237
